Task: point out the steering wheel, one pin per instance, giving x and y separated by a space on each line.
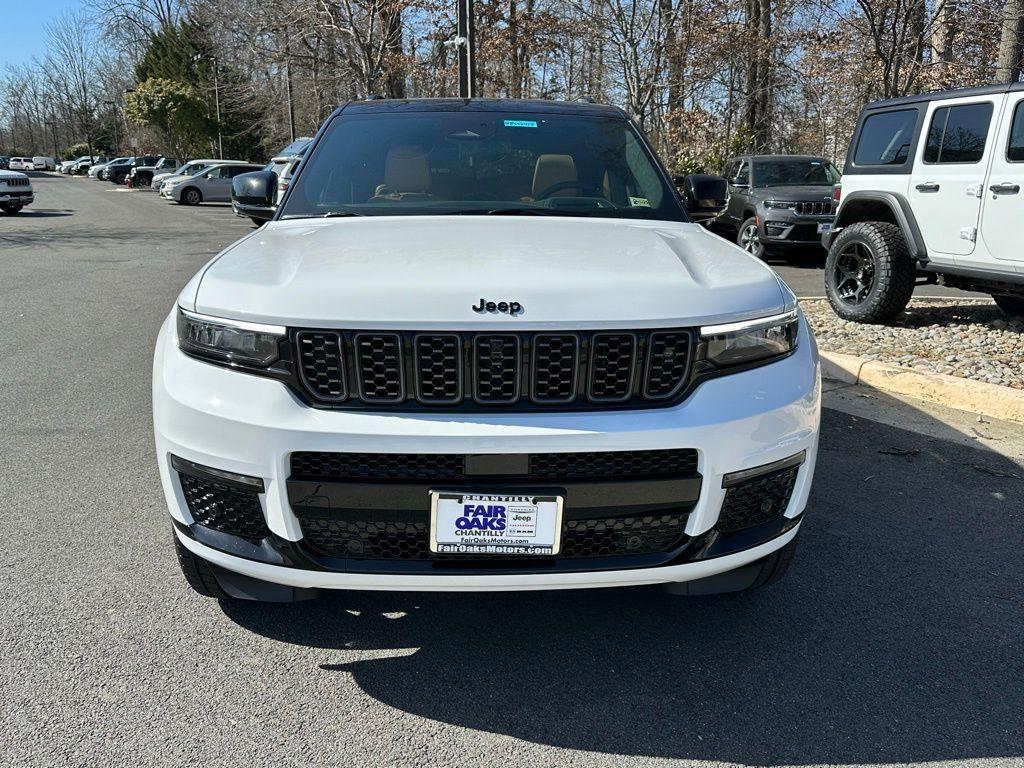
577 185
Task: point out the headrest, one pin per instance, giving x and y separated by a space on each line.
406 170
551 170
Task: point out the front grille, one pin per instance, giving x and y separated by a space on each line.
756 501
16 182
813 208
452 370
224 508
407 540
429 467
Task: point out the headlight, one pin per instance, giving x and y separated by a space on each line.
779 204
750 341
230 341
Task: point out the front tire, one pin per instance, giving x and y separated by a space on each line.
869 273
1011 305
11 208
749 239
191 196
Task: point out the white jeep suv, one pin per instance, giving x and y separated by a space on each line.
15 191
932 190
481 347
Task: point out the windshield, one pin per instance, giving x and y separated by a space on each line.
192 170
789 172
476 162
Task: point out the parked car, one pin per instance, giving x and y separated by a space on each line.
15 191
932 187
779 201
481 347
116 163
142 175
65 166
100 163
82 165
5 162
190 168
43 163
20 164
212 185
116 173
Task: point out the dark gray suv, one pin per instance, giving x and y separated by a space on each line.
778 201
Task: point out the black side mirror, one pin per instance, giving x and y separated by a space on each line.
704 196
253 195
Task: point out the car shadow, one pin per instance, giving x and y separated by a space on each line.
42 213
895 638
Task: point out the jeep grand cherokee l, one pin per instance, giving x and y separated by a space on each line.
480 347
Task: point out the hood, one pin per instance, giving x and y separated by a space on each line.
420 272
5 174
816 193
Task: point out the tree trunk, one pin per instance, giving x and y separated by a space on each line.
757 115
1009 62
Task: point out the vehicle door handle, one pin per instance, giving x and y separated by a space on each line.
930 186
1006 188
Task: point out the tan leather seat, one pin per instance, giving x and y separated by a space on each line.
551 170
406 173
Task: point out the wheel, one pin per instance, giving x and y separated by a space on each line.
748 238
869 273
198 573
11 208
191 196
1011 305
760 573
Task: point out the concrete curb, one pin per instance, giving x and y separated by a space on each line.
963 394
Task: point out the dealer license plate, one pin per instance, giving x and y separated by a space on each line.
494 524
824 227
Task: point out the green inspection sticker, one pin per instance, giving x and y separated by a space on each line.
639 202
520 123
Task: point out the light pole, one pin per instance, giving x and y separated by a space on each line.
465 43
288 84
117 144
53 131
216 99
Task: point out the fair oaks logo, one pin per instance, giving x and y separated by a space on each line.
482 517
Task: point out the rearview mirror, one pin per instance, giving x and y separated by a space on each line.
704 196
253 194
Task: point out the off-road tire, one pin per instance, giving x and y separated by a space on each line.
198 573
1011 305
741 235
894 272
11 208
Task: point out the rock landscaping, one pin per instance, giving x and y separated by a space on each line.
970 338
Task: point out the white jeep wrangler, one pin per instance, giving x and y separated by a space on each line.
931 188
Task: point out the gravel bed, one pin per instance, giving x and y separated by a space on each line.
970 338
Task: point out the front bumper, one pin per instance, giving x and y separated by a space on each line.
22 198
248 425
783 227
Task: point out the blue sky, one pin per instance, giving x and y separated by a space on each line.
28 17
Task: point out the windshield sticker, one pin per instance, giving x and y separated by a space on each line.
639 202
520 123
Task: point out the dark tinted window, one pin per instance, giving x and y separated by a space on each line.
957 134
885 138
472 162
743 174
1015 149
780 173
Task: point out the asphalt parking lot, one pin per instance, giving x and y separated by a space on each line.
894 640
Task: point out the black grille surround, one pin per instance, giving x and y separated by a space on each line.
813 208
489 370
224 508
757 501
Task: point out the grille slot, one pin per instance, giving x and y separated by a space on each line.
223 508
668 359
612 364
466 370
322 364
316 465
497 362
438 368
380 367
555 366
680 462
756 501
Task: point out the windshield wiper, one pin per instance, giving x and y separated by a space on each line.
339 214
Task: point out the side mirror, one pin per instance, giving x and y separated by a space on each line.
253 194
704 196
